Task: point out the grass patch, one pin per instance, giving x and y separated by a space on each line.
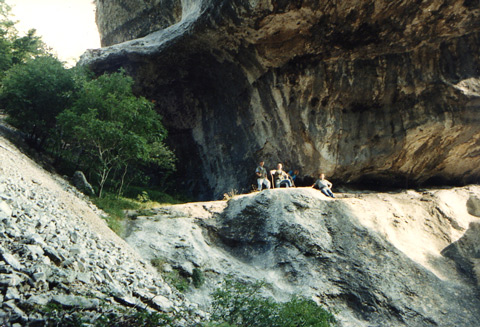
154 196
174 278
114 207
137 199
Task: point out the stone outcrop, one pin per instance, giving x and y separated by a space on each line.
80 182
380 259
466 252
473 205
368 92
129 19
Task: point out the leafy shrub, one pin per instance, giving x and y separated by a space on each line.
197 278
240 304
139 317
172 277
155 195
114 132
303 312
143 197
34 93
178 281
58 316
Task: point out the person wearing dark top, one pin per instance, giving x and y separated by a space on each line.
262 179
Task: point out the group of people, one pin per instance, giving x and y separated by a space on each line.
281 178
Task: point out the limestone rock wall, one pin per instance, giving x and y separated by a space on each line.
376 259
122 20
378 92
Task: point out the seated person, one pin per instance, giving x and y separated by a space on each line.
323 185
293 174
262 179
281 177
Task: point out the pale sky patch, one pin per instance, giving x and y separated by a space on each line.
67 26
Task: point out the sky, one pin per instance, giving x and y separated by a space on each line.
67 26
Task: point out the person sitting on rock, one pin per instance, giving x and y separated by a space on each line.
281 177
293 175
262 179
324 186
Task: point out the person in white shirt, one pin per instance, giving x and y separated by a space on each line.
281 177
324 186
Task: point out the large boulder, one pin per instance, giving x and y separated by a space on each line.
80 182
373 259
367 92
473 205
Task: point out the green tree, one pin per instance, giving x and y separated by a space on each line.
112 130
7 31
27 47
34 93
15 49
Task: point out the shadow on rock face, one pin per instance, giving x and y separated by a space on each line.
313 240
473 205
466 253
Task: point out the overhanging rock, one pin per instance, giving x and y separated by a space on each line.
383 92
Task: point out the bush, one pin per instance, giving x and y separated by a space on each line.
155 196
114 132
240 304
33 95
172 277
58 316
303 312
198 279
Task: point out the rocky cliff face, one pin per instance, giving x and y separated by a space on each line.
378 92
379 259
376 259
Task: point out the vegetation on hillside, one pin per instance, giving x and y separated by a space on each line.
235 304
34 93
93 124
113 133
238 304
14 48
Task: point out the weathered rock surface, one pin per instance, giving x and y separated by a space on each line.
130 19
466 252
375 259
80 182
473 205
378 92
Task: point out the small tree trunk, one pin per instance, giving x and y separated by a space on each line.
103 178
122 180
